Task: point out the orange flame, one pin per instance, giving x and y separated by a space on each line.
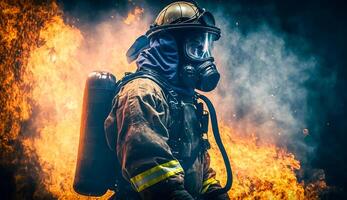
262 171
57 69
134 15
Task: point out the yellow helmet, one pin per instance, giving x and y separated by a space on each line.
182 15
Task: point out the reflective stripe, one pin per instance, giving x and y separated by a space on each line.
206 184
155 175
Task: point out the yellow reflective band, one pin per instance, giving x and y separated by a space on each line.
155 175
206 184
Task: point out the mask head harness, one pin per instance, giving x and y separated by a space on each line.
194 31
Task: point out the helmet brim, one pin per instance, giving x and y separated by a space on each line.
185 26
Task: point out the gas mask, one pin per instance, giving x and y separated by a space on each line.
198 69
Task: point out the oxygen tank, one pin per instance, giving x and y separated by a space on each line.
95 170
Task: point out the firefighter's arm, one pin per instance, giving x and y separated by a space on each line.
142 149
210 183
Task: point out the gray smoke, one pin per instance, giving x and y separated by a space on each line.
263 87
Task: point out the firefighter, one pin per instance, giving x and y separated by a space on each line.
160 126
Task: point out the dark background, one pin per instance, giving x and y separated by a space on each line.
322 24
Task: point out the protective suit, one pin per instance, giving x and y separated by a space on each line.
147 160
160 145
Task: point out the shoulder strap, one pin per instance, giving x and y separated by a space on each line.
163 84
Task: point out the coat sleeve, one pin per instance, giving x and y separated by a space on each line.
146 160
210 183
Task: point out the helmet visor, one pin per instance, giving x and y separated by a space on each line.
199 47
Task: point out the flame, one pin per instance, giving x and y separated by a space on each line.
134 15
59 73
55 72
261 171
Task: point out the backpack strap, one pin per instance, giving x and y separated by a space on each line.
163 84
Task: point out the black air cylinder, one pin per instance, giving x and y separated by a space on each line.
95 170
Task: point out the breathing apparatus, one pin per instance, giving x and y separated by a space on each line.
197 68
194 31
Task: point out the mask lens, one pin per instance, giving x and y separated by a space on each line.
200 47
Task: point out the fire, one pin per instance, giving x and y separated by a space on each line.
261 171
134 16
55 72
59 76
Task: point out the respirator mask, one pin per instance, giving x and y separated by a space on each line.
198 69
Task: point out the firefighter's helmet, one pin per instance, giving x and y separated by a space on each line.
183 15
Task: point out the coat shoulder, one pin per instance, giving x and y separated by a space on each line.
142 87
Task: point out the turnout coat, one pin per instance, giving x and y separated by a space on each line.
161 154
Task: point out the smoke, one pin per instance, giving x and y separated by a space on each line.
107 40
264 89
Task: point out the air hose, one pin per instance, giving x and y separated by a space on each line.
220 145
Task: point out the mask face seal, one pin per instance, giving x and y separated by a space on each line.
198 70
